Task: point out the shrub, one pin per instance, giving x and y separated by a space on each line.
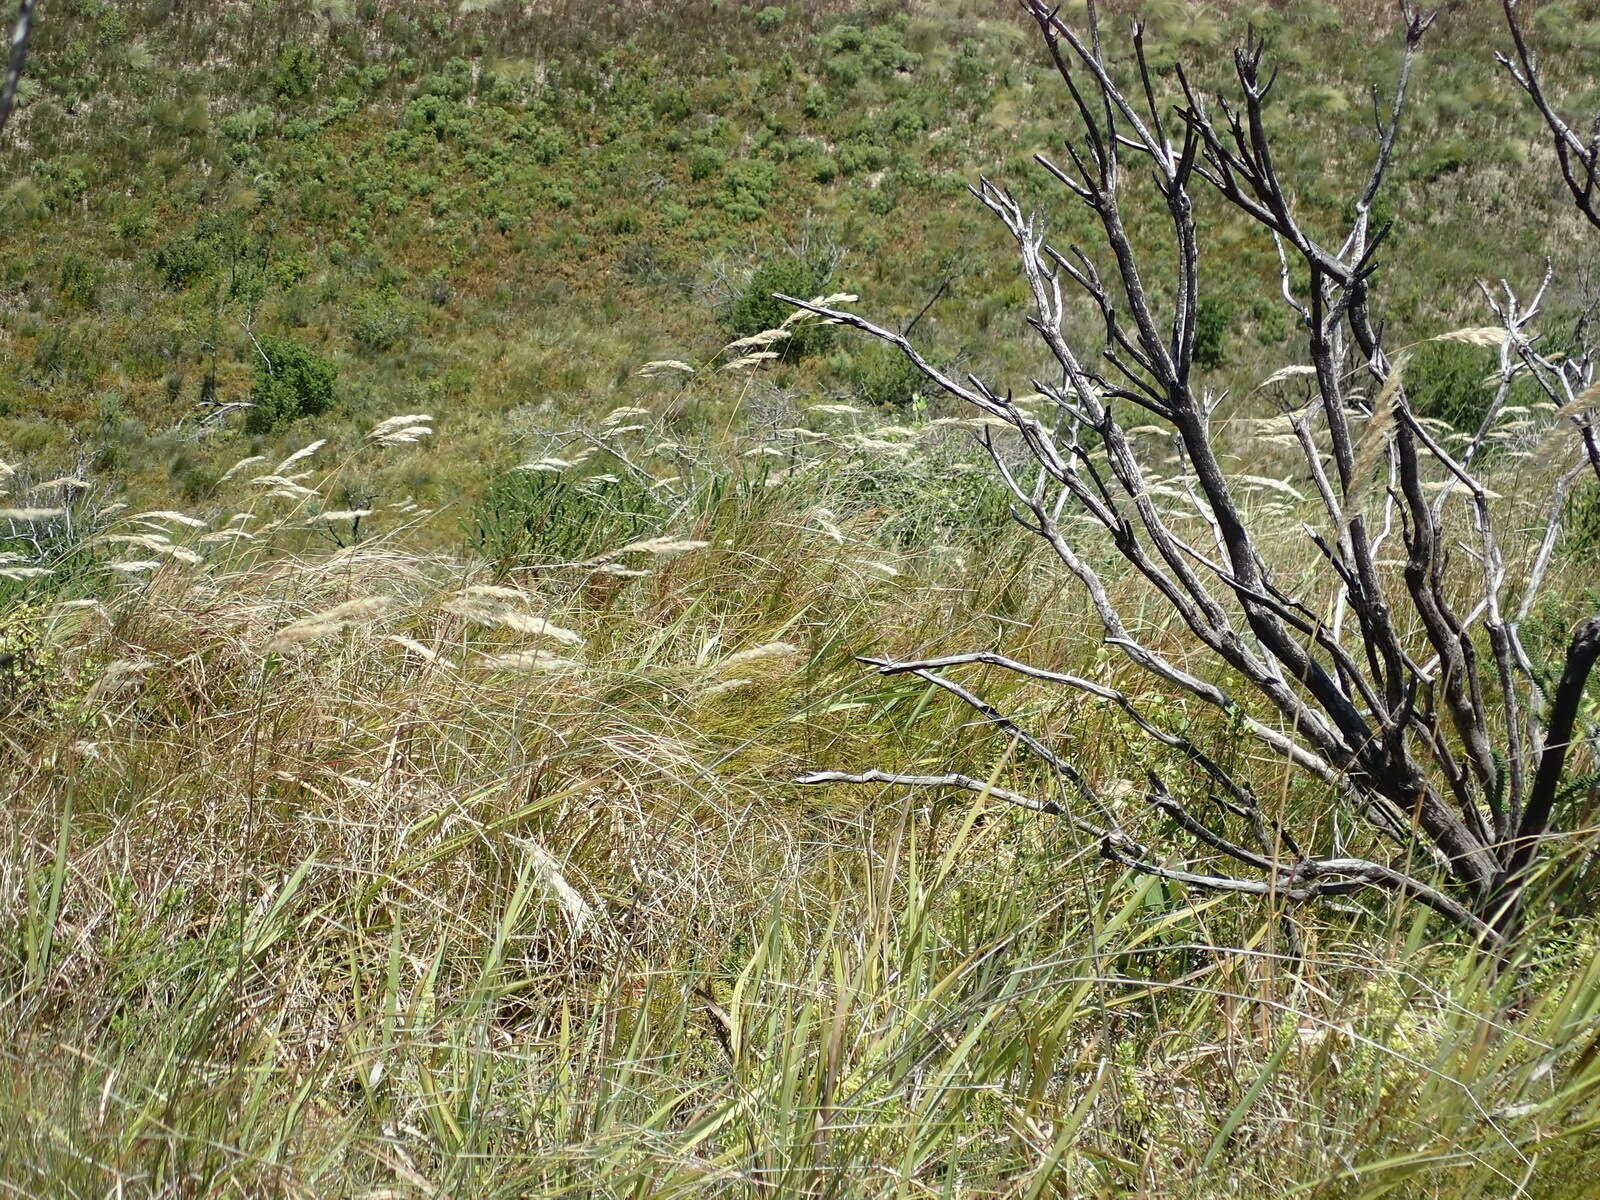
884 377
746 188
885 52
770 18
1445 381
903 120
1581 528
296 71
754 310
855 157
183 261
925 500
291 381
1211 321
629 219
705 161
453 83
80 280
28 662
381 323
841 39
527 514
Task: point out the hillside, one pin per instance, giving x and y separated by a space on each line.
455 716
496 215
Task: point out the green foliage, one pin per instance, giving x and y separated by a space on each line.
381 322
746 188
527 516
291 381
28 662
706 161
885 378
857 156
770 18
184 261
1445 381
1441 158
296 71
903 121
849 52
1212 320
928 499
1581 526
80 280
754 310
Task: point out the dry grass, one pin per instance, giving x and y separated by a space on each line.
312 888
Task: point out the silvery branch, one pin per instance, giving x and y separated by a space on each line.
1411 699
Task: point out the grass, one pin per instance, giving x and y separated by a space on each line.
371 870
409 813
471 210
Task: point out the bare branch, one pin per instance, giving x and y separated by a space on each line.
19 56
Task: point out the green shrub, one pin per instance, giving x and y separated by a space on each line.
882 376
903 120
848 52
1443 157
1445 381
629 219
183 261
80 280
1582 520
242 127
841 39
753 310
855 157
1211 321
453 83
925 500
746 188
29 663
381 323
291 381
705 161
770 18
296 71
526 514
885 52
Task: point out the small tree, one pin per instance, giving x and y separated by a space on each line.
1410 698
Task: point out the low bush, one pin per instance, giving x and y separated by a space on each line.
1211 321
291 381
183 261
380 323
526 515
884 377
746 188
296 72
753 310
1446 381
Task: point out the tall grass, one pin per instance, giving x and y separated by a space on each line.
373 871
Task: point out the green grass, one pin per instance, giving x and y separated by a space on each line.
466 209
